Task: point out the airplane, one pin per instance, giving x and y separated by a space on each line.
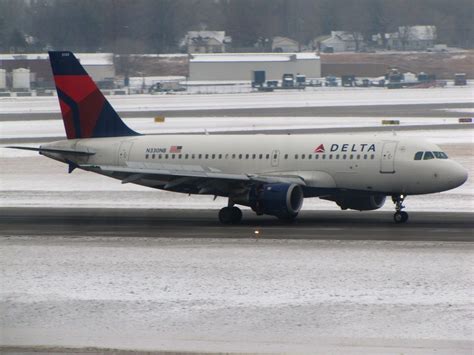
271 174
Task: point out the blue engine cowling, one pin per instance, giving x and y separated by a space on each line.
280 200
360 201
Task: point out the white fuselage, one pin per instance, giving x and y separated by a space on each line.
340 161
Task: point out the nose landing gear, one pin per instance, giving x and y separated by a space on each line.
399 216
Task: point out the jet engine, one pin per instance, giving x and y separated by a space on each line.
359 201
281 200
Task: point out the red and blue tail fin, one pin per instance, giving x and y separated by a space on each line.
86 112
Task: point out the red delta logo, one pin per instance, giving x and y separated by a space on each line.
320 149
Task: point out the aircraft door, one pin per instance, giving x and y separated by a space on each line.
387 160
124 152
275 158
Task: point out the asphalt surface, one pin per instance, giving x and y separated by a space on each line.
411 110
335 225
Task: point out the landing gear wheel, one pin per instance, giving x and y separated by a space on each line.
224 215
230 215
236 215
400 217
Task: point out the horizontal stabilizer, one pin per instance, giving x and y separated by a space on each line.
52 150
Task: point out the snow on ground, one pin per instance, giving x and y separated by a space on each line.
147 125
237 295
464 110
313 98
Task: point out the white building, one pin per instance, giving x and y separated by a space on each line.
240 66
205 41
412 38
285 45
100 66
342 41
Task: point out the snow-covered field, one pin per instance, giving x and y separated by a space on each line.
55 128
322 97
238 295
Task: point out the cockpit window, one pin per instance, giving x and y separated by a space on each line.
440 155
428 156
418 155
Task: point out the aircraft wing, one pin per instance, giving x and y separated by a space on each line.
186 178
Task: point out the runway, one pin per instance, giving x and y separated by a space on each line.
401 110
180 223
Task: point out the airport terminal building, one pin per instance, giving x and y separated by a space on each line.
240 66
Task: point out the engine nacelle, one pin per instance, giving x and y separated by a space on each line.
359 201
280 200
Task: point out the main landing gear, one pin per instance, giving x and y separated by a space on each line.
399 216
230 215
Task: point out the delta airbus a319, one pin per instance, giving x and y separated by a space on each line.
271 174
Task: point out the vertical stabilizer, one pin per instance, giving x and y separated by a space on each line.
86 112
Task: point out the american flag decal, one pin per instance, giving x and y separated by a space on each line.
176 149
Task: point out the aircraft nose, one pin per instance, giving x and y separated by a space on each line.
458 176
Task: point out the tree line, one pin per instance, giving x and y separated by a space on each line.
157 26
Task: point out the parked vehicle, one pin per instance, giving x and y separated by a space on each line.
330 81
460 79
288 81
348 80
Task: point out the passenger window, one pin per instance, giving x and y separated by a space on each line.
220 156
192 156
372 156
365 156
172 156
260 156
233 156
302 156
179 156
337 156
200 156
240 156
246 156
146 156
418 155
428 156
344 157
186 156
159 156
316 156
286 156
166 156
330 156
309 156
213 156
254 156
324 156
358 156
296 156
268 156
